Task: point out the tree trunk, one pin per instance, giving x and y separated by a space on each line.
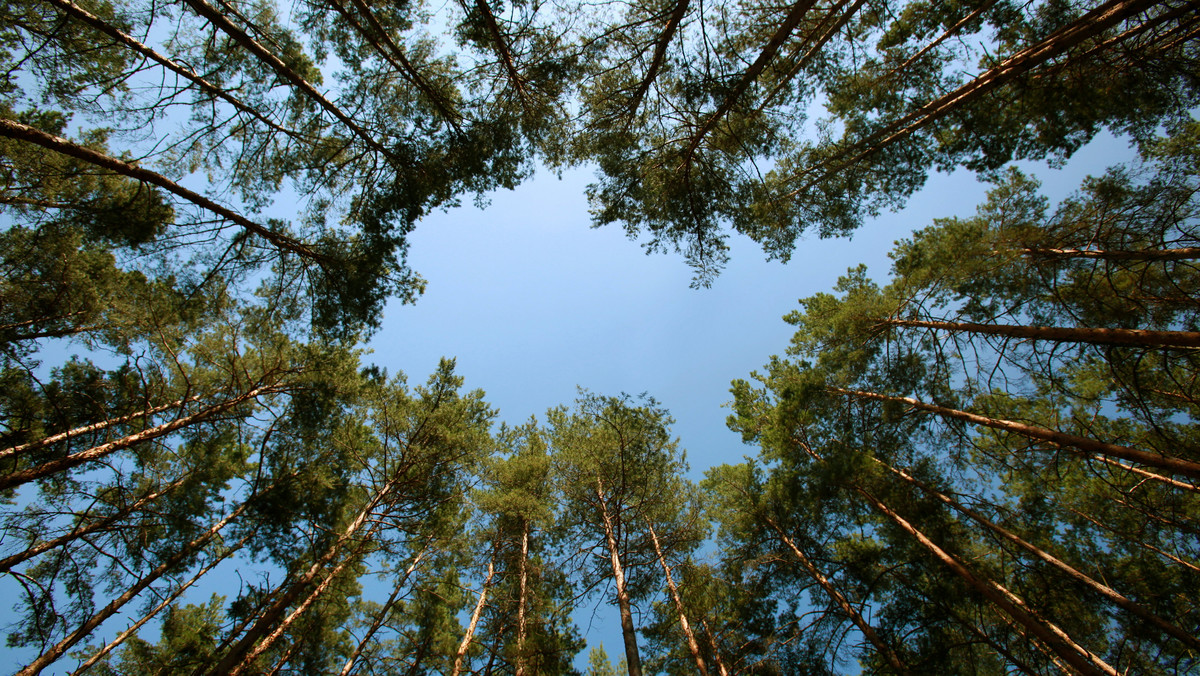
60 649
94 427
1078 657
216 18
45 469
628 632
521 598
716 650
22 132
116 642
660 54
383 612
99 24
841 601
1127 337
86 529
466 642
1103 590
1176 465
693 647
1183 254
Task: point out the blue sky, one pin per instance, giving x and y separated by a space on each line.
533 302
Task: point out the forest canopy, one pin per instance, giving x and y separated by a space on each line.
987 463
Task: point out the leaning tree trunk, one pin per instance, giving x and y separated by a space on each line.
470 632
521 597
693 647
632 659
1062 334
383 612
1171 464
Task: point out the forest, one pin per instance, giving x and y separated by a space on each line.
986 461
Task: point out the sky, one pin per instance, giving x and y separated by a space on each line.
532 303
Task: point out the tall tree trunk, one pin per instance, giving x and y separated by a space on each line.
132 629
1127 337
470 632
84 630
660 55
628 633
1183 254
19 477
841 601
383 612
86 529
217 19
693 647
94 427
716 649
1175 465
1103 590
115 33
522 597
1078 657
23 132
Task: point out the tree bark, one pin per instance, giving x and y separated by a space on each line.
628 633
466 641
60 649
45 469
94 427
1183 254
693 647
1127 337
383 612
521 599
1103 590
1078 657
1176 465
22 132
660 55
841 601
86 529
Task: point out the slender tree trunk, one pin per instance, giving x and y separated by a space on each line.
50 467
466 641
502 49
94 427
522 597
1103 590
1144 545
383 612
841 601
22 132
716 649
113 32
693 647
1149 475
216 18
116 642
86 529
813 49
53 654
1175 465
287 593
628 633
1078 657
660 55
1127 337
1183 254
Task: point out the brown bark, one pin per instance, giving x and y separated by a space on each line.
216 18
1149 475
503 52
815 48
1078 657
470 632
45 469
750 76
841 601
88 528
1176 465
1129 337
628 633
693 647
716 650
660 54
116 642
94 427
101 25
383 612
1103 590
84 630
1125 536
521 599
1085 27
1184 254
21 132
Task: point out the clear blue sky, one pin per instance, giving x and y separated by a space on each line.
533 302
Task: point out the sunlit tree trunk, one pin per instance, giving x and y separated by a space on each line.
470 632
628 632
693 647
